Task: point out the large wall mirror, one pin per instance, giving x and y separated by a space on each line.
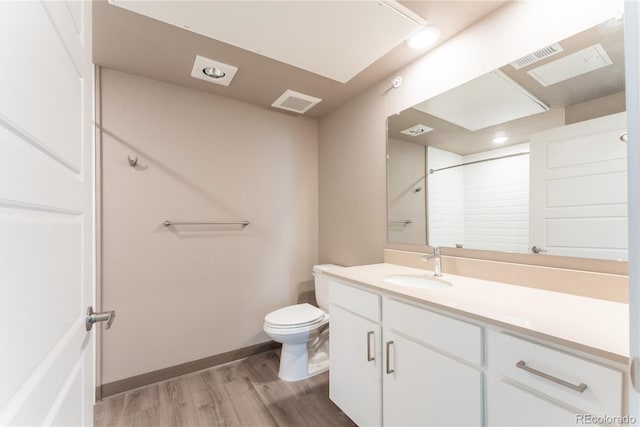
530 158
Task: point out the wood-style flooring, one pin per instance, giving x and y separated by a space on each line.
243 393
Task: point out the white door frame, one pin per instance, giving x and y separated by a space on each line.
632 75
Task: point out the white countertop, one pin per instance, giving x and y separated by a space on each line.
596 326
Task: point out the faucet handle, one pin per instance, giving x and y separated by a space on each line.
435 254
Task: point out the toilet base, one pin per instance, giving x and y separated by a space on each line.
295 364
318 364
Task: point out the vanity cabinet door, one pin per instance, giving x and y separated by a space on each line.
354 377
426 388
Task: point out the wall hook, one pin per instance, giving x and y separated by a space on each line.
133 162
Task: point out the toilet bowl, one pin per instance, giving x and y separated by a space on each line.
303 331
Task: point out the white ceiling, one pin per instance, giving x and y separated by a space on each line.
136 44
317 36
489 100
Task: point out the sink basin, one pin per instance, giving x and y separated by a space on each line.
416 281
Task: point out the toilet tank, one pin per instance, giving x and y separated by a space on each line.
322 284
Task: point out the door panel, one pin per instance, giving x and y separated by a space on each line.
427 388
46 213
578 189
354 381
44 97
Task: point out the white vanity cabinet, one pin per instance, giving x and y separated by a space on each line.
356 359
432 368
532 384
396 362
430 372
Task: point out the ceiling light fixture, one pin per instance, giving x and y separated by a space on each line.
424 38
500 139
416 130
214 73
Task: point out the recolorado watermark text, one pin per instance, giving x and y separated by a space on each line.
605 419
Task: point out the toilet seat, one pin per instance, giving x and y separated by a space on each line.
299 316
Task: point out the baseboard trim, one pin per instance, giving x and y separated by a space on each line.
147 378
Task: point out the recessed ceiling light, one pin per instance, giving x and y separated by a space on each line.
500 139
424 38
416 130
214 73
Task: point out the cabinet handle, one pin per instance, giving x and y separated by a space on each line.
389 370
369 356
579 388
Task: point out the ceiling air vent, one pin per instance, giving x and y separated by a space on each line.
536 56
295 101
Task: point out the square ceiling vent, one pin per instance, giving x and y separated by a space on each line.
294 101
213 71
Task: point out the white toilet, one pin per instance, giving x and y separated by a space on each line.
303 331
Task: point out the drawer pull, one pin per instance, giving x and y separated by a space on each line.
579 388
389 370
369 356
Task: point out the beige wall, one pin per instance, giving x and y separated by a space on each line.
352 138
188 293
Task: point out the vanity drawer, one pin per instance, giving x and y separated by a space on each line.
355 300
449 335
513 359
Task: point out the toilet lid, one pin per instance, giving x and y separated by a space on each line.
294 315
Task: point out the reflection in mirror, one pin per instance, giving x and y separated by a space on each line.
406 190
528 158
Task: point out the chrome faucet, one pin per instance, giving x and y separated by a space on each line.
437 271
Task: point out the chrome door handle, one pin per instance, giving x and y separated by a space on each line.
369 356
389 370
580 388
93 317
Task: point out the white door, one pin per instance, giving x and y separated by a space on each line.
46 213
578 189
